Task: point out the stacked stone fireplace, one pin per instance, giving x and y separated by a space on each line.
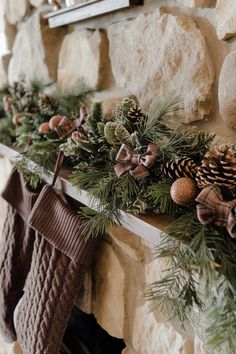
185 46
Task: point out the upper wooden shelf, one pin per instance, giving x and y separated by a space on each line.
88 10
148 227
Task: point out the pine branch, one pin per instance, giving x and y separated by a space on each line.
85 177
24 131
221 318
159 115
44 153
7 131
175 295
33 178
185 246
121 113
158 196
96 223
183 143
94 117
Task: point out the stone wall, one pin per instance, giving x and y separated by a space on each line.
186 46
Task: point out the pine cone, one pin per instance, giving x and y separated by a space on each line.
218 168
183 167
45 104
135 113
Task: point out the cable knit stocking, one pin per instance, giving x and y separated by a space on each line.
16 249
59 260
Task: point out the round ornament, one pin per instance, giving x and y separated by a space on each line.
44 128
55 121
184 191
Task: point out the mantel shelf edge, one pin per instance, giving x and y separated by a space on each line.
147 227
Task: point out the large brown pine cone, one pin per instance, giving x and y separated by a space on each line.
182 167
218 168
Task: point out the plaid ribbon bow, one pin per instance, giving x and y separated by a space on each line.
138 165
66 129
211 208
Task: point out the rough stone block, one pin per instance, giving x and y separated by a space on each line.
155 55
150 337
227 90
109 284
36 3
110 99
226 18
197 3
6 348
3 74
35 51
83 56
15 10
128 242
7 31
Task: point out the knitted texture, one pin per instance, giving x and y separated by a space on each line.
16 250
55 277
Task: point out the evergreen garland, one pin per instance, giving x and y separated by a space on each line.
196 254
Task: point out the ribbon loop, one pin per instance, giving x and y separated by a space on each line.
212 209
138 165
64 130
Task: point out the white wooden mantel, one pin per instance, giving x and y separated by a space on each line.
148 227
85 11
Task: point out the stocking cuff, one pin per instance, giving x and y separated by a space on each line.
18 194
60 225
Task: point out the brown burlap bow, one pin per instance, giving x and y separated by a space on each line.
212 209
138 165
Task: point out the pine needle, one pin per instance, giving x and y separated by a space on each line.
96 223
158 196
44 153
159 115
7 131
221 318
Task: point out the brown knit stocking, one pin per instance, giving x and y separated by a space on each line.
15 250
60 258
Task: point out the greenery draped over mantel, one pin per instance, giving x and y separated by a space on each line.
130 161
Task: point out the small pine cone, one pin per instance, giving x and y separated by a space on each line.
45 104
218 168
135 113
183 167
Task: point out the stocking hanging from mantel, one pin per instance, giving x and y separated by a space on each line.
60 258
16 249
